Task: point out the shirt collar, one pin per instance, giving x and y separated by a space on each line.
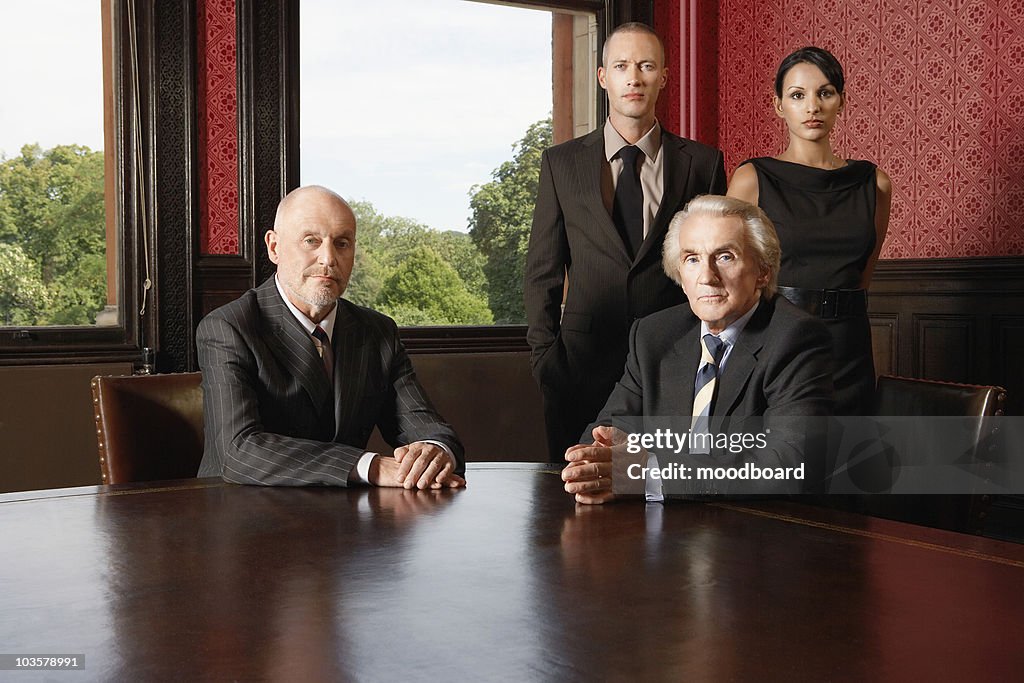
730 334
327 323
649 144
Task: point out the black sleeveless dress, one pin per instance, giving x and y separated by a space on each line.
826 226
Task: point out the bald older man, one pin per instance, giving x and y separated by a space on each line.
295 378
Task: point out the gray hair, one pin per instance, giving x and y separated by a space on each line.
757 227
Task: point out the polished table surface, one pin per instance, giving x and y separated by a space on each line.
506 580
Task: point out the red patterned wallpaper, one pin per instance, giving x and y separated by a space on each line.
688 106
935 94
666 24
218 126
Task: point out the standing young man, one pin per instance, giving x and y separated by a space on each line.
603 205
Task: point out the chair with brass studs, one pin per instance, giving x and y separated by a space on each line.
148 427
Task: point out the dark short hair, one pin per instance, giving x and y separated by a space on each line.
817 56
631 27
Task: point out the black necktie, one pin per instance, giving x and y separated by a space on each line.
326 353
628 209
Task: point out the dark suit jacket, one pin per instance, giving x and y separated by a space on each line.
586 347
270 414
778 375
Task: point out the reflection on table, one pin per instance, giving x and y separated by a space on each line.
506 580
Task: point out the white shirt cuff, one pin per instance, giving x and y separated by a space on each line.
652 486
363 467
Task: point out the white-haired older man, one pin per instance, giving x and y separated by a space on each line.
736 351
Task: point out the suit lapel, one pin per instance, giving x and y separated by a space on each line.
350 366
686 358
676 167
742 360
292 346
589 166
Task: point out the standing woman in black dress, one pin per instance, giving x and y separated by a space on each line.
831 215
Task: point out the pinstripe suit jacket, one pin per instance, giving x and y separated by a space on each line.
270 415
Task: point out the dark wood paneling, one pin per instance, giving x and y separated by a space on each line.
496 338
174 187
1008 336
221 279
490 399
943 344
952 319
884 343
47 432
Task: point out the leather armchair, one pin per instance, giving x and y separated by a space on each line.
903 396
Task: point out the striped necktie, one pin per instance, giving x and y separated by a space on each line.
712 349
326 353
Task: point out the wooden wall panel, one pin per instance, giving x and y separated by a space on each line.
885 343
944 347
47 432
1008 335
951 319
490 399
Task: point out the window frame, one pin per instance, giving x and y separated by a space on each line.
58 343
437 339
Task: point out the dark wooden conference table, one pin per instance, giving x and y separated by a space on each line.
506 580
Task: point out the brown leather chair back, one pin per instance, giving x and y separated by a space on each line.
149 427
903 396
906 396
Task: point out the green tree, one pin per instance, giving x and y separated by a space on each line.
425 289
367 277
457 249
23 296
369 272
52 206
384 245
502 213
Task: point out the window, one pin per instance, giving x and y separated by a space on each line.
430 117
58 236
71 213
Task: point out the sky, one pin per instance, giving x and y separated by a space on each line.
404 103
409 103
52 75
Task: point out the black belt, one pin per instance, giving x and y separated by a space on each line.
828 303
